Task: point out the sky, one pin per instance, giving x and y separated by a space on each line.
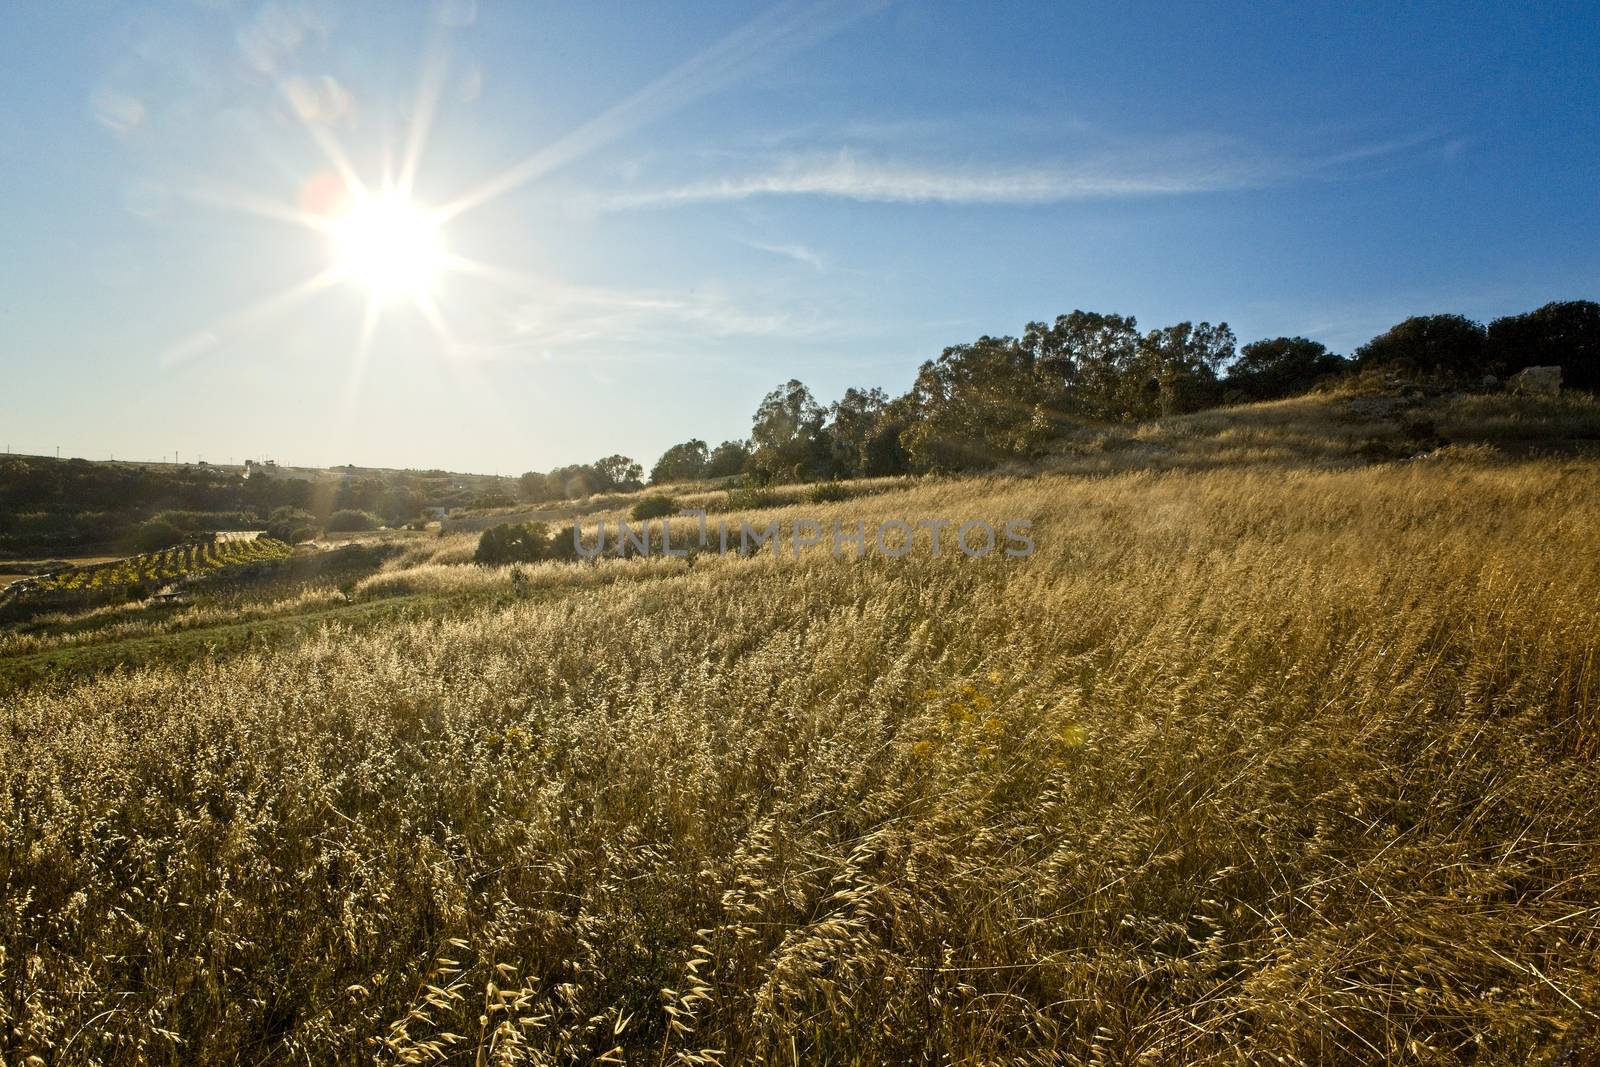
609 227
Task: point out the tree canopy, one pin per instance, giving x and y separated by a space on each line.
1564 334
1004 399
1428 344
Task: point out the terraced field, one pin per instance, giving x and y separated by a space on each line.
167 565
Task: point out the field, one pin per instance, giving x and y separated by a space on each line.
34 566
165 565
1280 748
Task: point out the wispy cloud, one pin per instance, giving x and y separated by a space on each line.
624 325
576 315
810 257
849 177
1189 167
789 27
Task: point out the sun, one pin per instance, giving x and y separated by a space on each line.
388 244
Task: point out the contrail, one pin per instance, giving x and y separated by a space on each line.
786 29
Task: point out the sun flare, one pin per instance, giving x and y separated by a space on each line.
389 245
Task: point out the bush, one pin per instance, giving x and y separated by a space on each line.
1281 366
752 498
350 520
829 493
1565 334
654 506
1445 345
291 526
514 542
198 521
155 535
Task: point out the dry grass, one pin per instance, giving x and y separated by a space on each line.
1326 430
115 622
1244 765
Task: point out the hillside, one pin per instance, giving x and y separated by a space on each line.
80 508
1280 747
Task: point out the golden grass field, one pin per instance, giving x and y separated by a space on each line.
1269 756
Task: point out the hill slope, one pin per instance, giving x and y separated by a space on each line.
1287 756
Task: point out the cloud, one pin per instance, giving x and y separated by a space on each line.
849 177
567 319
799 253
765 41
320 99
273 38
1185 167
118 112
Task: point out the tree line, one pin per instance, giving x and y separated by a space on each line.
51 505
1002 399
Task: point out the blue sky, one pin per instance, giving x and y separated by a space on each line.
670 209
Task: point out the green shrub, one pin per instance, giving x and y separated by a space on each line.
197 521
752 498
155 535
291 525
350 520
514 542
829 493
654 506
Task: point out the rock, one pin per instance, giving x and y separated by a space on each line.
1489 381
1374 407
1536 381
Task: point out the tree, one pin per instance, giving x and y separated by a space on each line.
883 452
1084 364
534 487
349 520
1177 369
728 459
787 433
400 505
491 498
975 406
853 425
1447 345
1281 366
571 482
787 414
155 535
681 463
618 472
291 525
1563 334
515 542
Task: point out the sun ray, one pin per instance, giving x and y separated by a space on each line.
467 370
429 308
520 281
252 204
267 306
326 141
429 87
762 40
363 352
